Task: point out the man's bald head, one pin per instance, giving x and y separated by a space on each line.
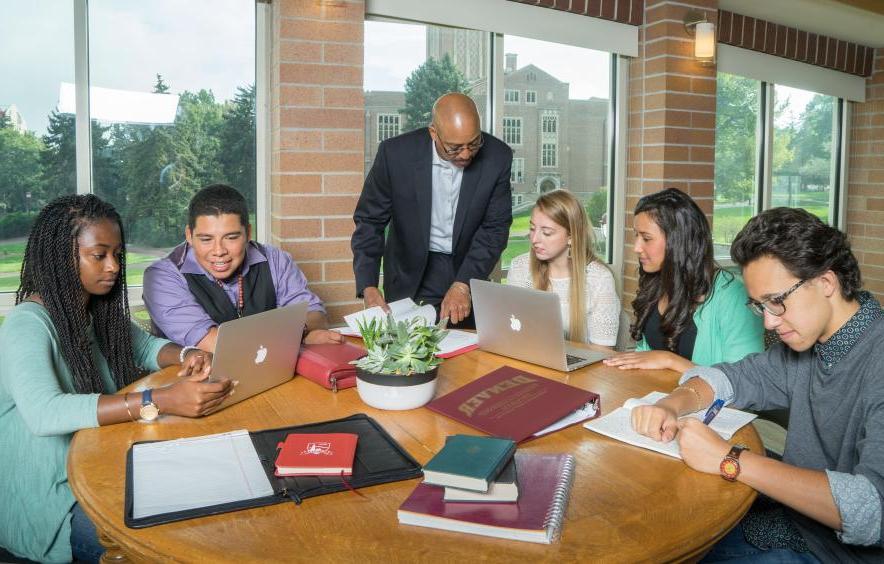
456 124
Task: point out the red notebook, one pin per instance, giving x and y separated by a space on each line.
325 454
515 404
544 487
329 365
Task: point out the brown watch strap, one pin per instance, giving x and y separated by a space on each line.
730 464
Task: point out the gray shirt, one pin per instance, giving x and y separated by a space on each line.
835 397
446 192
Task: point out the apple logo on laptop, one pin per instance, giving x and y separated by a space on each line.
261 354
515 324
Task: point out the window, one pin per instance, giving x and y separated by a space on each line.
517 176
549 155
550 123
512 130
388 126
166 118
510 96
530 97
37 139
407 66
801 157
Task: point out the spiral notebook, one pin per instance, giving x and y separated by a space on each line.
545 486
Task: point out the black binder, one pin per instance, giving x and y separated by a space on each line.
379 459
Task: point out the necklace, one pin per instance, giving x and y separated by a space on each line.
240 302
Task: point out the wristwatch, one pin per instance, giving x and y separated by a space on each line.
149 410
730 464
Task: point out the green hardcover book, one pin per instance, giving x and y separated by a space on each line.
469 462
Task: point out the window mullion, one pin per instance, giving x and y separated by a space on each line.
81 88
764 145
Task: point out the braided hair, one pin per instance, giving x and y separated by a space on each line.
51 270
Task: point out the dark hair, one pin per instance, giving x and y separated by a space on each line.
51 269
805 245
217 199
688 268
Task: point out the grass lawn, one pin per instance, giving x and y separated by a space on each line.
11 255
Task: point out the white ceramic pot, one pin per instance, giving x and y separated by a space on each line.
386 391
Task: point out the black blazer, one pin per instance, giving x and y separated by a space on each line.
398 193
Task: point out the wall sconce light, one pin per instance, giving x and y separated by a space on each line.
703 32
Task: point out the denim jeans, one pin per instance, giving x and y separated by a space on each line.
84 537
734 548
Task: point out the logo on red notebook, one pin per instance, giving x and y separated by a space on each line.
318 448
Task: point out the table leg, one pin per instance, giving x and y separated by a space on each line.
113 554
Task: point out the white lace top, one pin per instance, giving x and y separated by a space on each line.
602 302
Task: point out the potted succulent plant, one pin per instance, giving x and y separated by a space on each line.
399 369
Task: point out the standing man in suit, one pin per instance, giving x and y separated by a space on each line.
443 192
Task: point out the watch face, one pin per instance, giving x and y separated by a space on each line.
730 468
149 412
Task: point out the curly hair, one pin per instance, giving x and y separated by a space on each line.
688 272
805 245
51 270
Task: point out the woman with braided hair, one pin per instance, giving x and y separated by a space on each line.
67 347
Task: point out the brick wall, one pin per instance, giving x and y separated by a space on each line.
317 141
671 126
865 187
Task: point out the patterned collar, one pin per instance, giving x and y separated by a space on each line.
840 343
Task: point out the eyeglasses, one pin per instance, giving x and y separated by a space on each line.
773 305
455 150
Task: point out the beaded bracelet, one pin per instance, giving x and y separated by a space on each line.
696 393
184 351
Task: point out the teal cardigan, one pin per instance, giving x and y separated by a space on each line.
39 413
726 329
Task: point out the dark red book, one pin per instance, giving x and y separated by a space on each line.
329 365
516 404
545 484
324 454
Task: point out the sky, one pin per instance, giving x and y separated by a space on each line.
194 44
584 69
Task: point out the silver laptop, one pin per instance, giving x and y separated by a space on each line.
526 324
259 351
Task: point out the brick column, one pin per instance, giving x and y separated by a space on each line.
671 127
865 181
317 140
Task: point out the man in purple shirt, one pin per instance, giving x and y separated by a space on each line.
219 274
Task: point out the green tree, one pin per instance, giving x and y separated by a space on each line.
159 86
238 153
429 81
20 170
59 156
736 113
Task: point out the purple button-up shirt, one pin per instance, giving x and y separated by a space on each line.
183 320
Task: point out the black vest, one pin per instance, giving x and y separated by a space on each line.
259 294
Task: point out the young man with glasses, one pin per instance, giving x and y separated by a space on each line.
824 500
436 207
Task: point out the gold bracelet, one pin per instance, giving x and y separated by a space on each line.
696 393
128 410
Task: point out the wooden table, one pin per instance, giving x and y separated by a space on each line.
626 505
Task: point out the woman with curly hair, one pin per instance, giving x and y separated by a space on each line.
68 346
688 310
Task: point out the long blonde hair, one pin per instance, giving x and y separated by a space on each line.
563 208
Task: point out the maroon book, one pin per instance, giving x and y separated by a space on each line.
544 485
515 404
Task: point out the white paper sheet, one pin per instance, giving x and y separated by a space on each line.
196 472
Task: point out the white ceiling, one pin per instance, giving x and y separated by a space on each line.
826 17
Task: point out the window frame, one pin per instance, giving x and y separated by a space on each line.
527 100
503 126
763 185
511 96
83 124
378 125
517 175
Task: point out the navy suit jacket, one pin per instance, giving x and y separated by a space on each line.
397 197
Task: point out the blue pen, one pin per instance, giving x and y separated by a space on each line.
713 411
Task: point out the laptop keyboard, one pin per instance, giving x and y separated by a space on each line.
571 360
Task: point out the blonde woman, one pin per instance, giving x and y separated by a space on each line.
562 260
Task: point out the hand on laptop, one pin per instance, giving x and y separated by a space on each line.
323 337
649 360
456 304
371 297
196 362
193 396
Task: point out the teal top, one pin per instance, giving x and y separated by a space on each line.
39 413
726 329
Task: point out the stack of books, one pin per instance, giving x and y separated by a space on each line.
480 485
